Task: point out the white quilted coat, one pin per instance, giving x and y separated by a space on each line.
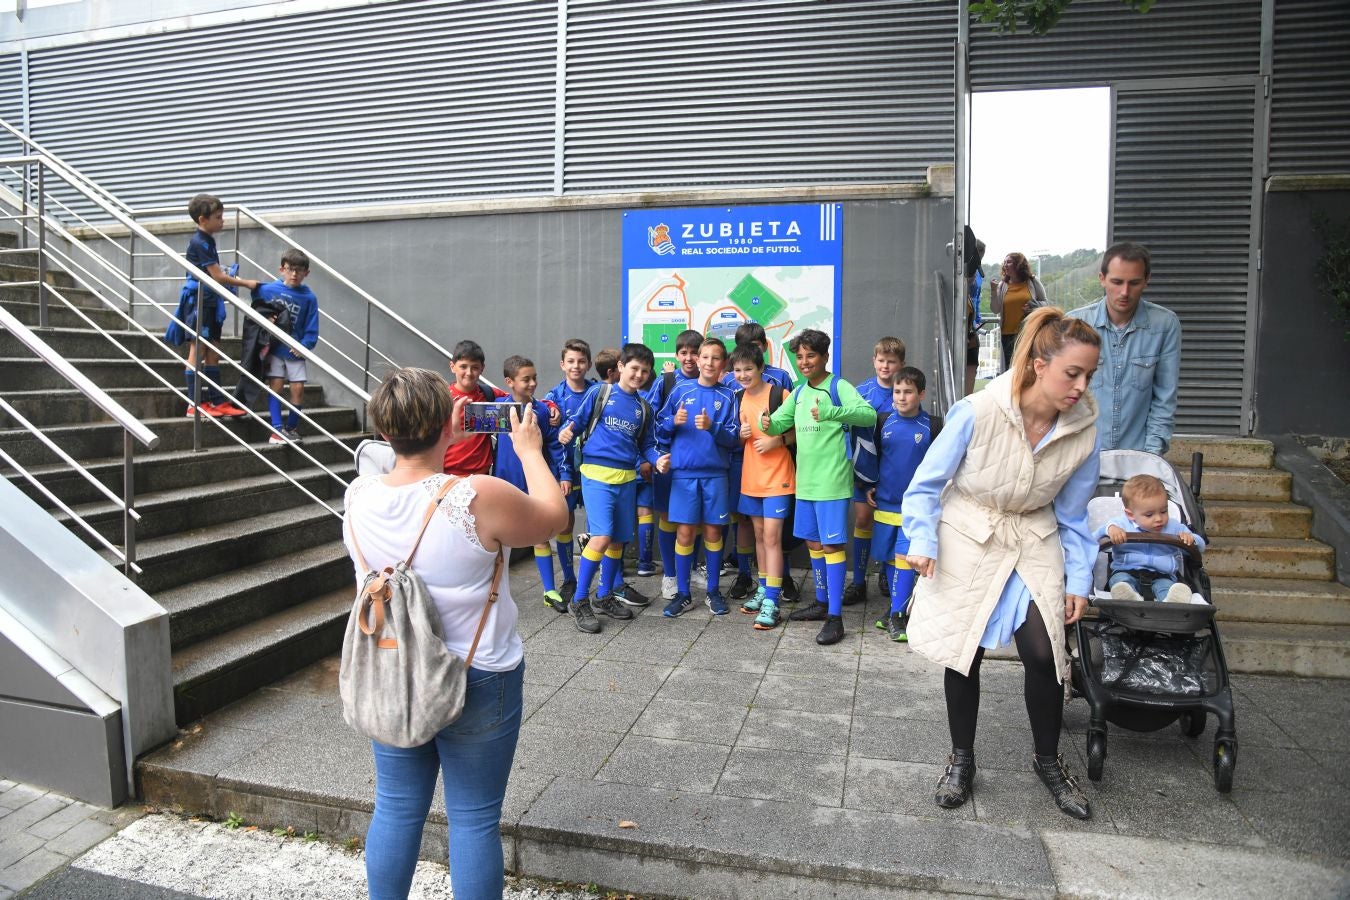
997 517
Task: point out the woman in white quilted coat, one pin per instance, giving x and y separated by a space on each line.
996 516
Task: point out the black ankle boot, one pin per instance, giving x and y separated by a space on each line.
955 786
1063 786
832 632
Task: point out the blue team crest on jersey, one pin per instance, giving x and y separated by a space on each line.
717 405
918 437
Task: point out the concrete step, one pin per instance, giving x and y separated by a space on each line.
190 556
1221 452
204 505
183 469
1311 651
233 599
24 307
1261 485
230 665
104 439
13 293
12 270
50 407
1281 600
1240 518
29 373
1270 558
85 343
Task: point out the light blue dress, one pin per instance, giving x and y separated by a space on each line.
922 509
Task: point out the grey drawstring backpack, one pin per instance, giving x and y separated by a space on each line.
399 683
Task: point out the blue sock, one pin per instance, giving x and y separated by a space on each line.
743 560
190 377
665 545
684 564
564 547
862 550
818 574
590 565
293 419
644 535
213 394
611 571
836 567
902 586
543 560
274 410
714 552
773 589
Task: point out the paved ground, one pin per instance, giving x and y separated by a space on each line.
734 750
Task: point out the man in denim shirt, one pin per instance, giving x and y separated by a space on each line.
1136 380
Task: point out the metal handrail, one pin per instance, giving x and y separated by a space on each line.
131 428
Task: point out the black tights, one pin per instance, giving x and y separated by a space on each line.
1044 695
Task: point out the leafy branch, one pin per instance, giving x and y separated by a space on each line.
1333 268
1038 15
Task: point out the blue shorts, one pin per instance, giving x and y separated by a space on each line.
699 501
574 498
611 509
765 507
646 493
859 496
888 541
824 521
734 482
661 492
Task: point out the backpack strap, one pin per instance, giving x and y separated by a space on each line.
497 569
667 385
597 410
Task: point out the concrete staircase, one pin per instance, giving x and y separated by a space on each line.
252 572
1281 609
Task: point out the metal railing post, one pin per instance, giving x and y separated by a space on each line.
128 500
25 196
235 324
365 384
42 247
131 274
197 373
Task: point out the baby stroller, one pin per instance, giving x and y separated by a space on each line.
1143 665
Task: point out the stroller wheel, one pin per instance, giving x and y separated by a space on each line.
1225 759
1192 723
1096 754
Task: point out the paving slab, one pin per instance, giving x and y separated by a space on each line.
1128 867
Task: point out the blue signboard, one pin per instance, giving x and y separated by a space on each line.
713 268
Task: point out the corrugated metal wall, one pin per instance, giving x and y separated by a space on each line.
1183 187
387 102
1310 88
437 99
1103 41
681 93
11 100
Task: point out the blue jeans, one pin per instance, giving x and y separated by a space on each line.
473 755
1143 582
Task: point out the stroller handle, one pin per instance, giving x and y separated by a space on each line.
1192 552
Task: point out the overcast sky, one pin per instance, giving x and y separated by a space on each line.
1039 171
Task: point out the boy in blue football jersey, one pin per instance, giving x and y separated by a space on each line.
521 380
566 396
282 363
903 437
888 356
209 214
700 424
614 422
687 345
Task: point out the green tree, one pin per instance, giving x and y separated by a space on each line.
1038 15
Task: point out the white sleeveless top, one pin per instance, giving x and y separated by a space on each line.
451 560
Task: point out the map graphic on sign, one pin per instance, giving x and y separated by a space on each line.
712 269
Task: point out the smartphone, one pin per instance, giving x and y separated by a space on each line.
491 418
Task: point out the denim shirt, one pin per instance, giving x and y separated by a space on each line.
1136 380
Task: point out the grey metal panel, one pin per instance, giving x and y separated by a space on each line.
1182 184
1101 41
678 93
11 100
389 102
1310 88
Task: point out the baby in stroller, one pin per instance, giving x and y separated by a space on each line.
1153 568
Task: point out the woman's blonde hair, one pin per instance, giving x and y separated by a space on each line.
1045 334
410 408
